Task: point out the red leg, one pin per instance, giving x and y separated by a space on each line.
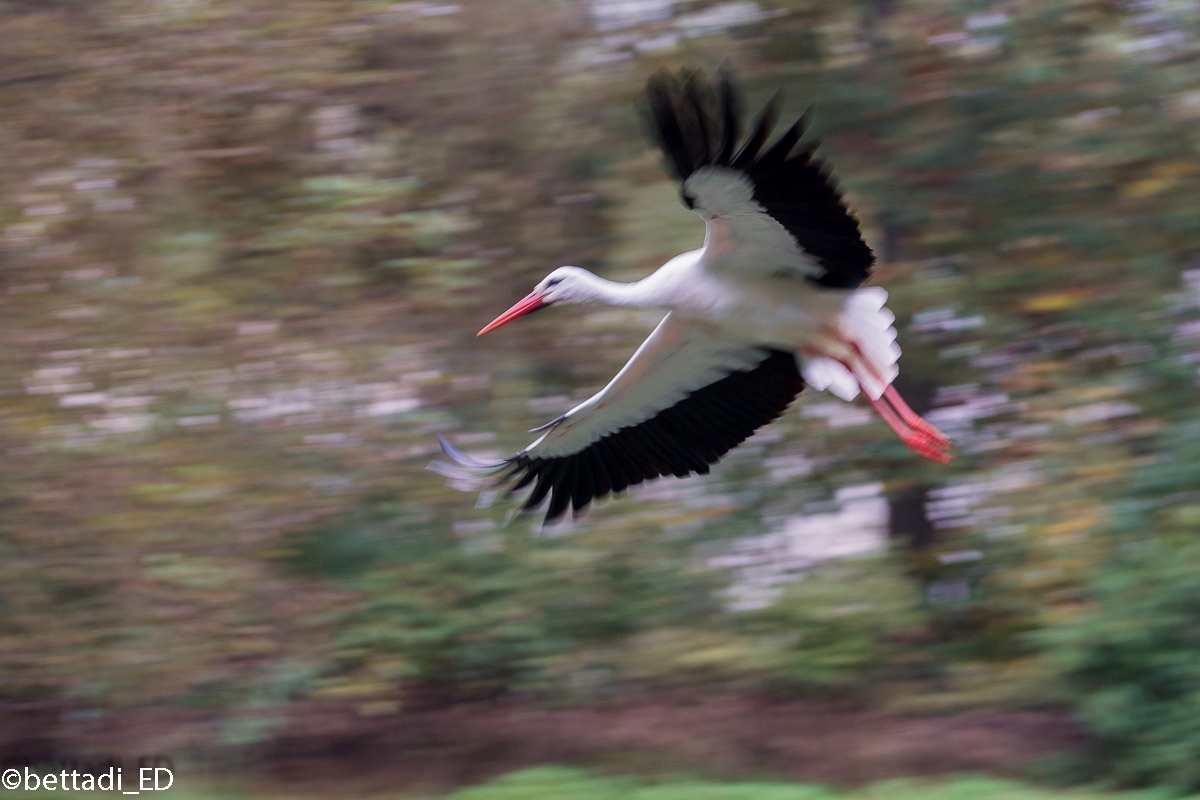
914 440
913 419
918 435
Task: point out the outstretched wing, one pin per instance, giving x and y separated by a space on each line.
778 205
685 399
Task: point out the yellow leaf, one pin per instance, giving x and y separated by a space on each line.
1053 301
1146 187
1158 180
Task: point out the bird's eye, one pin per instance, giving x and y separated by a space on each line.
689 200
553 282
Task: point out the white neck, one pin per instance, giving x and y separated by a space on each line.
589 288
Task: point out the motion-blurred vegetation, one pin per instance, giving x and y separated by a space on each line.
558 782
245 249
553 783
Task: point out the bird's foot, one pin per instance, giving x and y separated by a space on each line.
917 434
915 420
921 445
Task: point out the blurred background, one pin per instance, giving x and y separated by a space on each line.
245 249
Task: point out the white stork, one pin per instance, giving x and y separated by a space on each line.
768 305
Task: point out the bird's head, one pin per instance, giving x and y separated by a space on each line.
563 285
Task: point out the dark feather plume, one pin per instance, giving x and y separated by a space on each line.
696 123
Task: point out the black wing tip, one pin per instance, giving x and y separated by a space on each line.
690 117
696 121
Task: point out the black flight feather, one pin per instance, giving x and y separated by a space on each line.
680 440
696 124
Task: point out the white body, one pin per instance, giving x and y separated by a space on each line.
785 313
743 291
720 323
717 367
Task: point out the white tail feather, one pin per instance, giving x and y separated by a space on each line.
864 354
825 374
868 322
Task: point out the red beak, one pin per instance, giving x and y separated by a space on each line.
531 302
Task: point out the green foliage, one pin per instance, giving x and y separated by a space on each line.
560 782
1131 663
842 625
552 783
488 612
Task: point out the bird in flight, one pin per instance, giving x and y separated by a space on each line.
769 304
